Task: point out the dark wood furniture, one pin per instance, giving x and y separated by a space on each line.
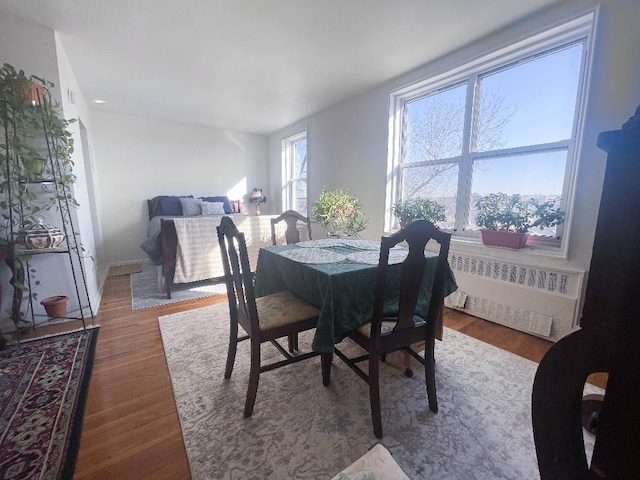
169 240
342 288
608 341
385 334
263 319
291 234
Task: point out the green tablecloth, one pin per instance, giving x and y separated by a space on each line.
343 291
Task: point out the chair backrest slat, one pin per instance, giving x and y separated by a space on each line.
412 272
291 234
237 272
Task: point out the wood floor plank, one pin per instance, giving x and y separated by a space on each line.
131 428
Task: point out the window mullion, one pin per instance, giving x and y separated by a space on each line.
466 170
525 150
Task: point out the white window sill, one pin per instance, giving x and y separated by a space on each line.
538 251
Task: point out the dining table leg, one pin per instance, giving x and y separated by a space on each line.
326 359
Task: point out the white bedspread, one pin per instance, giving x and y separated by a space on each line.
198 253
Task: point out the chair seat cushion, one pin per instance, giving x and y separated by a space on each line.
376 464
283 308
387 326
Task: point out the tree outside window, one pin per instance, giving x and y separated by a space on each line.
498 128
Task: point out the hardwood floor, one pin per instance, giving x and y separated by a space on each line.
131 428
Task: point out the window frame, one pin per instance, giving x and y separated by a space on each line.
289 180
577 30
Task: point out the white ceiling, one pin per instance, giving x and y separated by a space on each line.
253 65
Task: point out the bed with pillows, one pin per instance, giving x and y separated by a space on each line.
182 239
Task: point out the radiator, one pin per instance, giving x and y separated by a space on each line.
537 300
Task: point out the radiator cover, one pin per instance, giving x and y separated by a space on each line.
537 300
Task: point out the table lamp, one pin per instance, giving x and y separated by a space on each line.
257 198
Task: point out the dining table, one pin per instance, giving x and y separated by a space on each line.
338 276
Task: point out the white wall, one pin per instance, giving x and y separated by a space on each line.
74 106
347 144
29 47
140 158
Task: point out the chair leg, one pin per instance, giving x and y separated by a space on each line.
254 376
374 394
231 352
293 342
407 365
326 359
407 358
430 374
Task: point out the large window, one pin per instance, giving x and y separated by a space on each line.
294 173
506 123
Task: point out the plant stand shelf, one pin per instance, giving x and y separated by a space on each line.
36 174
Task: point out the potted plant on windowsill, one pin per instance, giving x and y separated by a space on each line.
339 213
506 219
418 208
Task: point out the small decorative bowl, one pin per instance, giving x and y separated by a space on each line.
39 236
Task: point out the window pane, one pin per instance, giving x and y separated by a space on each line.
301 196
435 182
531 103
537 176
300 148
434 125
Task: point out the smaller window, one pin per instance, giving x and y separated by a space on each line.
294 173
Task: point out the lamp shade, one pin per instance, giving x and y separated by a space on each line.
257 196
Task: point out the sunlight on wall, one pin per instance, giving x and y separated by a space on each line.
239 190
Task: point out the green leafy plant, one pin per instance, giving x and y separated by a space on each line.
415 208
339 212
499 211
35 150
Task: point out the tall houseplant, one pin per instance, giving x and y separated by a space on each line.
35 149
514 216
339 212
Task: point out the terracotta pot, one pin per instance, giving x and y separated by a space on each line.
500 238
29 91
55 306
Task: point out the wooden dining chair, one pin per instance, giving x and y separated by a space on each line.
291 234
263 319
385 334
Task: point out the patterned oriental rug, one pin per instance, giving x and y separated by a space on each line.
43 391
301 429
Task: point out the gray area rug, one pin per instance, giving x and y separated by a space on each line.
303 430
145 292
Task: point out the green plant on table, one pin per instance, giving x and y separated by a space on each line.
339 212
